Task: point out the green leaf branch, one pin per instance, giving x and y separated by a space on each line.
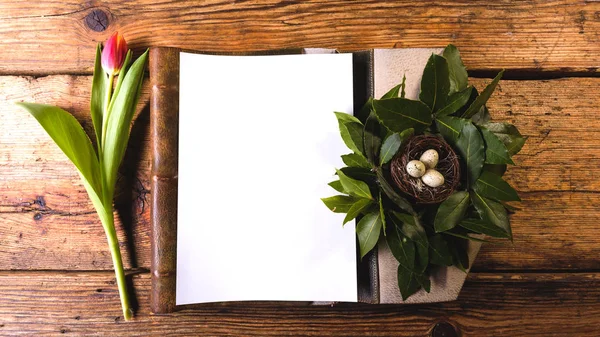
422 237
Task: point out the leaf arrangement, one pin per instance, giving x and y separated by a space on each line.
422 237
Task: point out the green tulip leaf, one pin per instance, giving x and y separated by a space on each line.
98 99
70 137
120 115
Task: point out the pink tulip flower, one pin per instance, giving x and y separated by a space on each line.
113 54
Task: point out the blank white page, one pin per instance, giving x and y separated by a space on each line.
258 143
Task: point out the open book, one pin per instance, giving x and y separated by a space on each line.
244 147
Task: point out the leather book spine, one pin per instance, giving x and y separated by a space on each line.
164 132
368 271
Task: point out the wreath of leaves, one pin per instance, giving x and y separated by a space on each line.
422 237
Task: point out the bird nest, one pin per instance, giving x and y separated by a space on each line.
448 166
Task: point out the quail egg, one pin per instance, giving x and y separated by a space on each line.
415 168
430 158
433 178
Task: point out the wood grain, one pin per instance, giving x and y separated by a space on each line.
51 37
47 222
489 305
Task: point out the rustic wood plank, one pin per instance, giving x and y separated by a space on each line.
489 305
47 222
49 36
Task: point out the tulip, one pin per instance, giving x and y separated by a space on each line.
113 54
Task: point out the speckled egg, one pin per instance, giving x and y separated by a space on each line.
430 158
415 168
433 178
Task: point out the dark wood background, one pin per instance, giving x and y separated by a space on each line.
55 268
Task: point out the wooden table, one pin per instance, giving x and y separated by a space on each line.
56 273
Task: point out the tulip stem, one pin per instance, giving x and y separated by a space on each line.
115 252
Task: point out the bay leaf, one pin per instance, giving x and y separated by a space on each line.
357 208
355 160
491 212
368 230
435 84
508 134
390 147
407 282
365 111
382 212
337 185
403 86
483 97
393 93
458 250
402 248
411 228
398 114
389 191
492 186
471 149
456 69
497 169
450 127
372 139
482 117
451 211
439 253
361 173
354 187
456 101
495 150
351 131
339 203
482 227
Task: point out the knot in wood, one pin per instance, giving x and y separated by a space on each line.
444 329
97 20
